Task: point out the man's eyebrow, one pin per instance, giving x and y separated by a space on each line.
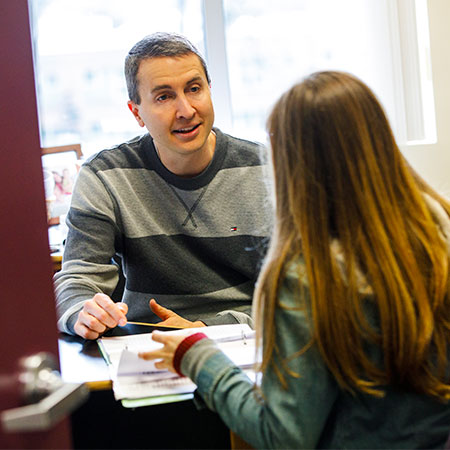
194 80
161 87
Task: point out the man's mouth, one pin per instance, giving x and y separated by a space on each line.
186 130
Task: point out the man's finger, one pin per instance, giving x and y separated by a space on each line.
91 322
160 311
112 308
85 332
110 313
96 311
123 307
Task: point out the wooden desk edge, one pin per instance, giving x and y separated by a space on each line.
99 385
56 261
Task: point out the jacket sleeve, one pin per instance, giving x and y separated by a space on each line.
272 417
87 266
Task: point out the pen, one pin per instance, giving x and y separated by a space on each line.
152 325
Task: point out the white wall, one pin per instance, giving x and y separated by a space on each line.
433 161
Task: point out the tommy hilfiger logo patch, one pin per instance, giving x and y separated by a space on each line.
233 229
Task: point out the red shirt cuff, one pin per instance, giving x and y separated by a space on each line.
184 346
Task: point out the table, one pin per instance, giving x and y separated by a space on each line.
102 422
56 235
81 362
56 260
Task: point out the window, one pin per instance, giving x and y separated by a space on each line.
271 45
80 47
255 50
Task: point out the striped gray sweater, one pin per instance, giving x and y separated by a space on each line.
193 244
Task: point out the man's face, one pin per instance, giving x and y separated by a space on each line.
176 106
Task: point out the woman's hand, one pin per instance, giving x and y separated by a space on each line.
166 353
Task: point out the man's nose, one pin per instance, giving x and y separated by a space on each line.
184 108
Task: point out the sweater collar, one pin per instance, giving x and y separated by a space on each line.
194 183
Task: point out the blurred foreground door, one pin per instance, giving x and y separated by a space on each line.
27 318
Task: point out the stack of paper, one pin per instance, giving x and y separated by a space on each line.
135 378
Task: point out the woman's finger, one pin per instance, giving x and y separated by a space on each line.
155 354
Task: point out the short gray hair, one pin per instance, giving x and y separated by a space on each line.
155 46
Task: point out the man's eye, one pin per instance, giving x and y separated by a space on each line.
194 88
162 98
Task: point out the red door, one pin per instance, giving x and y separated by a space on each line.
27 318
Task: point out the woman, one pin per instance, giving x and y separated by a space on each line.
353 302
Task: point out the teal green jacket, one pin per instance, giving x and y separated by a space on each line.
313 412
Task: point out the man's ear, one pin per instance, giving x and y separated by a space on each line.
135 111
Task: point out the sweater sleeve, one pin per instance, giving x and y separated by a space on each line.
273 417
230 317
87 266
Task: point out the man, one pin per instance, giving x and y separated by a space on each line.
185 207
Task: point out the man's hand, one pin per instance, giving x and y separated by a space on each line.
166 353
171 319
99 314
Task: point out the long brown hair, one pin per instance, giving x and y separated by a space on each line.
340 177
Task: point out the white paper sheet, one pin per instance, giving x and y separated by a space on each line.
135 378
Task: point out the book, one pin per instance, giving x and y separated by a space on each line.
135 378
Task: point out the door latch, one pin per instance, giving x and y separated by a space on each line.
46 397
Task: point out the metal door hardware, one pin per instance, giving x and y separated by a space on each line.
48 399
